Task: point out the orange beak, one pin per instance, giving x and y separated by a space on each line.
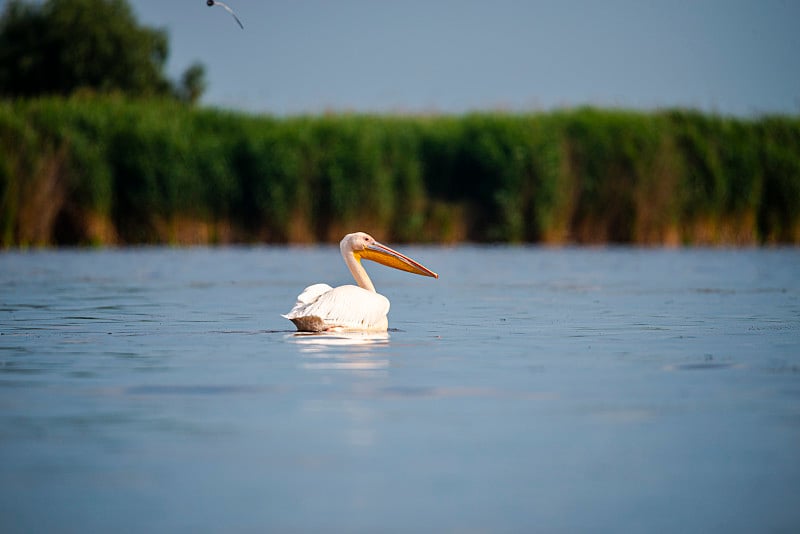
391 258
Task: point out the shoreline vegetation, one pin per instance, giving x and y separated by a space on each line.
91 170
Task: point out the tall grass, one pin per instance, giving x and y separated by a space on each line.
110 170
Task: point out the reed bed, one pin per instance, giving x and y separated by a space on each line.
92 170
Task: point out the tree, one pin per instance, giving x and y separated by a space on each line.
61 46
193 83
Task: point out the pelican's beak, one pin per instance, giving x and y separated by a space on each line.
391 258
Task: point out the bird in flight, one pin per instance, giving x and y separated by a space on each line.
212 3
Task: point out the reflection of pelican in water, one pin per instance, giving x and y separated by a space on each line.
321 308
339 339
353 351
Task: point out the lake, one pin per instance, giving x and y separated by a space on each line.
528 389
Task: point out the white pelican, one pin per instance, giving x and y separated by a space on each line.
321 308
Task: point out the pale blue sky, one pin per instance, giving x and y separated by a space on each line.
450 56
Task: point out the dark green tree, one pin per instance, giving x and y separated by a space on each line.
193 83
61 46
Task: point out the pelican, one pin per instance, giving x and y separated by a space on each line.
322 308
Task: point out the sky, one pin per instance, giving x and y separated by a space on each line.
732 57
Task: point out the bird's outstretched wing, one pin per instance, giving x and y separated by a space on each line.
211 3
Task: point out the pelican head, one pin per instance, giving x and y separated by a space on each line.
359 245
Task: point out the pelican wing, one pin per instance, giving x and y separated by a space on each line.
342 308
312 293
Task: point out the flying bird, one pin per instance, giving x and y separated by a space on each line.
322 308
212 3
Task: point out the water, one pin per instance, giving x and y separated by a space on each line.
528 389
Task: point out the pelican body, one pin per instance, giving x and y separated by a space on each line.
322 308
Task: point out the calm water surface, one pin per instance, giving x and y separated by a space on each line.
528 389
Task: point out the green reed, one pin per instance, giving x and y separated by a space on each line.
111 170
